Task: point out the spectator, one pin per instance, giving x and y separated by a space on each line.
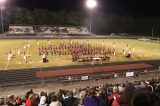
29 101
144 87
55 102
102 98
28 93
43 101
2 102
145 99
92 99
35 100
70 100
113 94
125 99
157 90
80 100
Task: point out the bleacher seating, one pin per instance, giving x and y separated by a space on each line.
47 30
21 30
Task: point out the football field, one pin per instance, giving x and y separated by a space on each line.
140 50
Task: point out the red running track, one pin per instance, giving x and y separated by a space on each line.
68 72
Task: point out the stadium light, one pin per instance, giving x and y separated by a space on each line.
1 6
91 4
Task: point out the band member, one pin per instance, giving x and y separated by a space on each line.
25 57
18 52
24 46
124 52
114 45
28 45
49 42
129 54
133 49
10 56
38 43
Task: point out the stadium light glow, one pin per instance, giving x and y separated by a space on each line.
91 4
1 6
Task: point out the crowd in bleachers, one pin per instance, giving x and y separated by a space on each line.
21 30
39 29
137 93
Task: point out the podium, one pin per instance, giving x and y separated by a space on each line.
44 60
96 59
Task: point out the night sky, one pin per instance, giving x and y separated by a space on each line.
137 8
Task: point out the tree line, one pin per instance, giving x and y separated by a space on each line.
101 23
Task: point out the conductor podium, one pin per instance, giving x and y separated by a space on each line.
44 59
96 59
128 56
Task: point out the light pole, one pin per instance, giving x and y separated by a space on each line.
1 6
91 4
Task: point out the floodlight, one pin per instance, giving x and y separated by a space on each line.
1 8
2 1
91 3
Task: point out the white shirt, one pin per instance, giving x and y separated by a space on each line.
55 103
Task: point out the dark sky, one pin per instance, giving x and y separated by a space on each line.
119 7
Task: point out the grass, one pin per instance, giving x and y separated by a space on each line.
143 51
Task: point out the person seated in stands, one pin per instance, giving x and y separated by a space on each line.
125 98
25 57
70 100
2 102
29 100
157 90
43 101
55 101
113 95
145 99
11 100
28 93
144 87
91 99
102 98
80 100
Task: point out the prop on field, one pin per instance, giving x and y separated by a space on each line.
44 59
96 59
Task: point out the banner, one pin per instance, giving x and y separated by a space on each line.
129 74
84 77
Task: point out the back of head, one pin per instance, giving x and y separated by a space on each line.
129 89
54 98
115 89
145 99
70 94
43 100
92 93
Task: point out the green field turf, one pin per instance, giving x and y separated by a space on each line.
143 51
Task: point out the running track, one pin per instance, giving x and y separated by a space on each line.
100 69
